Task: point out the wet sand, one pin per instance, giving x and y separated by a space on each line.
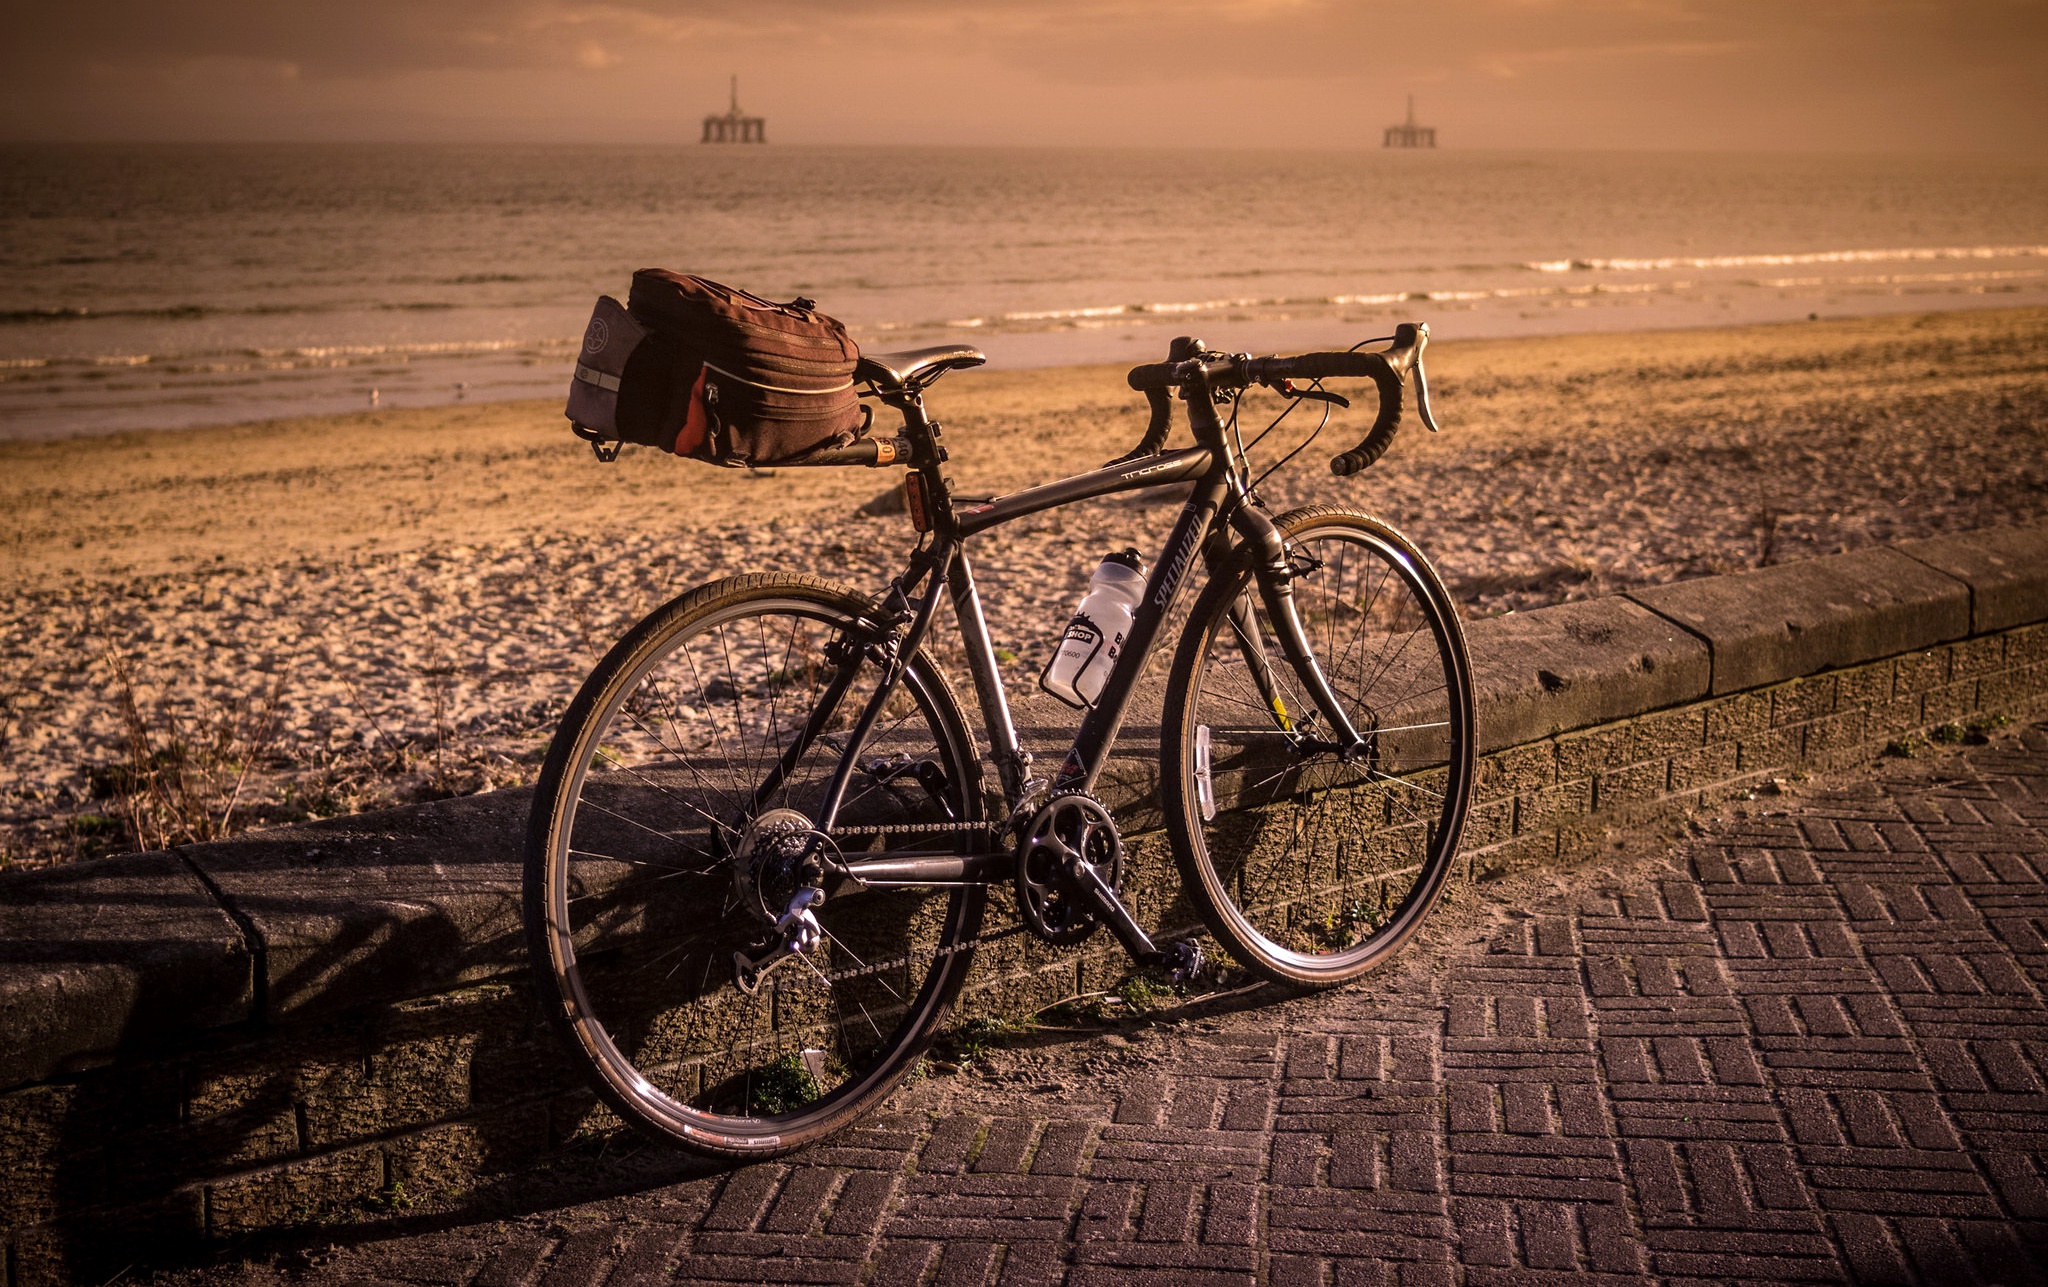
321 615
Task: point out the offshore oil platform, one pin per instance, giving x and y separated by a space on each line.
1408 133
735 126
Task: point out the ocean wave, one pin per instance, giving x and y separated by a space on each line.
185 312
30 316
302 357
1784 260
1098 314
1067 314
423 349
1907 279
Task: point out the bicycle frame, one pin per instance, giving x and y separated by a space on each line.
944 568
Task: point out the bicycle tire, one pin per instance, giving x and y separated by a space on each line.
1311 871
637 889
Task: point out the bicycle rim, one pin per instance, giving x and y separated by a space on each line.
1310 869
643 882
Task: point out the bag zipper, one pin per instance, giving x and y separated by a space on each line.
776 388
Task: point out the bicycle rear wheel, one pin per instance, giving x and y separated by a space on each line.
655 854
1312 870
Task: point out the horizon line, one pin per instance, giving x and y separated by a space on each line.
684 144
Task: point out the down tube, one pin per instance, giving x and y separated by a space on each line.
1183 549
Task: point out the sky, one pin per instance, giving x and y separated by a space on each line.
1801 75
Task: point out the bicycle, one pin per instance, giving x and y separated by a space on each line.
762 844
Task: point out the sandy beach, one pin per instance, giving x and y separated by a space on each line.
211 629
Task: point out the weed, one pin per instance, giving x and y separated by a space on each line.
181 782
1092 1010
1950 734
392 1197
978 1038
1142 995
783 1085
1906 747
1982 727
316 798
1005 656
95 824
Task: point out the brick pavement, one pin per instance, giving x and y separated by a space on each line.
1805 1044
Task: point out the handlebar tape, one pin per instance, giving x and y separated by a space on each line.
1153 377
1156 431
1384 425
1388 370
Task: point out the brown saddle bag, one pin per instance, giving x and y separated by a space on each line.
715 373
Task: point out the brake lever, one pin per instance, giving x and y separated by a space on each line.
1422 397
1287 389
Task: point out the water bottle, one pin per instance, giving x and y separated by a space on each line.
1095 636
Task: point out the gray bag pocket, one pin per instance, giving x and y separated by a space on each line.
608 342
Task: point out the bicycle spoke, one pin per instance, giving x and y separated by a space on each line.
1312 862
663 887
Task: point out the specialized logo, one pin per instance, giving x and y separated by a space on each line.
599 334
1170 581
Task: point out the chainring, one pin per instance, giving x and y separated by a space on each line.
1070 825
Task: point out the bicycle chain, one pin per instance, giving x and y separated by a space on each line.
840 976
990 828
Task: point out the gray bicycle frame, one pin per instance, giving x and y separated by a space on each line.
944 567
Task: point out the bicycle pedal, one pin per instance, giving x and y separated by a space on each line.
1184 961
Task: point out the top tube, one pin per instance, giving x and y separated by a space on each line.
1178 466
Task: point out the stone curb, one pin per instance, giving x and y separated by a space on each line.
125 951
1779 623
2006 569
1538 674
117 955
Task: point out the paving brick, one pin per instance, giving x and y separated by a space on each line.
1808 1045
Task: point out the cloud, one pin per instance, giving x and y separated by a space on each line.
1694 73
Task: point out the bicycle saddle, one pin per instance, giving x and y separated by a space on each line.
914 367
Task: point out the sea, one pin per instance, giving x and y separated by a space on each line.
146 287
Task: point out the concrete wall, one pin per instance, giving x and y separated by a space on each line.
233 1036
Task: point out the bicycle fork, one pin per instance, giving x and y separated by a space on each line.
1275 576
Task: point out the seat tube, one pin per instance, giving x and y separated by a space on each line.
988 681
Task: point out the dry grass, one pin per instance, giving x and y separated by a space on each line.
183 777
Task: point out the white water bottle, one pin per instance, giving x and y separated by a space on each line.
1096 635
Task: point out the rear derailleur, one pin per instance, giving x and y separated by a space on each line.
779 876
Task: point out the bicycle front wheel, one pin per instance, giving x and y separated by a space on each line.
670 829
1309 867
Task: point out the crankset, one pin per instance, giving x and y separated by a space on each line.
1070 863
1070 836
